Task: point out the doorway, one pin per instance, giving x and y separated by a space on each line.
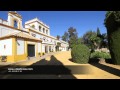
31 50
46 49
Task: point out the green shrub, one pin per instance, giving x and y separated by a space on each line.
98 54
43 53
112 23
80 54
39 54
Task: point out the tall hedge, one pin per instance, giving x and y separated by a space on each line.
112 23
80 54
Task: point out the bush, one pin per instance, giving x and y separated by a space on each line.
98 54
39 54
80 54
43 53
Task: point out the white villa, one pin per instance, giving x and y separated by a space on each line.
18 42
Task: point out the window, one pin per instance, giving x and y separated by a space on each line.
4 46
15 24
33 26
46 31
43 30
40 28
34 35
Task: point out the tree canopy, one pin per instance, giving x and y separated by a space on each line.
65 37
73 37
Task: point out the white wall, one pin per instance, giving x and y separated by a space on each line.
7 43
37 35
43 48
54 48
32 24
20 46
3 22
9 20
5 31
36 24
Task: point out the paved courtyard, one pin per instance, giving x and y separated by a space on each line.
76 71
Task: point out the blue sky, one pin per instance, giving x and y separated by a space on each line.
60 21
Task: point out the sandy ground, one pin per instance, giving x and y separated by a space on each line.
78 71
97 71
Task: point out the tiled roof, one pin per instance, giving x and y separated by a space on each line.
21 35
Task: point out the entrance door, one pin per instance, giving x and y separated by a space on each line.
31 50
46 49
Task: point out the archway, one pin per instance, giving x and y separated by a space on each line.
15 24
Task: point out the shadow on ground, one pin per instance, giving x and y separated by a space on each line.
44 69
95 62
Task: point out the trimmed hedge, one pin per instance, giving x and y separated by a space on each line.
98 54
80 54
112 23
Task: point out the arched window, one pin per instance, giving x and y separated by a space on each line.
46 31
33 26
43 30
15 24
40 28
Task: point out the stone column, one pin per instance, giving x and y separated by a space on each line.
54 48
